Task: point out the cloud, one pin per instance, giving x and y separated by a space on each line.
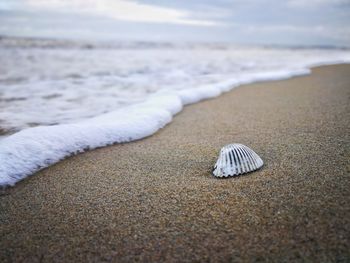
317 3
122 10
290 21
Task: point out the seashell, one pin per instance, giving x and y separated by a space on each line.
236 159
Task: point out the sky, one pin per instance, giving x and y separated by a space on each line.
281 22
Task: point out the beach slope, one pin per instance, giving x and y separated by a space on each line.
155 200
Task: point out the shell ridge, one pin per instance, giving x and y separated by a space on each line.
249 161
244 168
252 161
220 165
232 165
253 156
238 168
258 160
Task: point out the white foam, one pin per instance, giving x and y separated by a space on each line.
32 149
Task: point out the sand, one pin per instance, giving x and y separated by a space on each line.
155 200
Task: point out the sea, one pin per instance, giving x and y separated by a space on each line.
62 97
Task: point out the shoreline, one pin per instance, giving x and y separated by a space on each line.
155 200
31 150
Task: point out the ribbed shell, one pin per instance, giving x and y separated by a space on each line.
236 159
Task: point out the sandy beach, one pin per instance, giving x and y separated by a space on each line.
154 200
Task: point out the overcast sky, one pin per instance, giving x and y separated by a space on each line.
291 22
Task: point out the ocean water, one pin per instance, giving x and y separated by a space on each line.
59 98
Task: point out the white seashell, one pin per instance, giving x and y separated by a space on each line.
236 159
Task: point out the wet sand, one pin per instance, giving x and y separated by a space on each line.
154 200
